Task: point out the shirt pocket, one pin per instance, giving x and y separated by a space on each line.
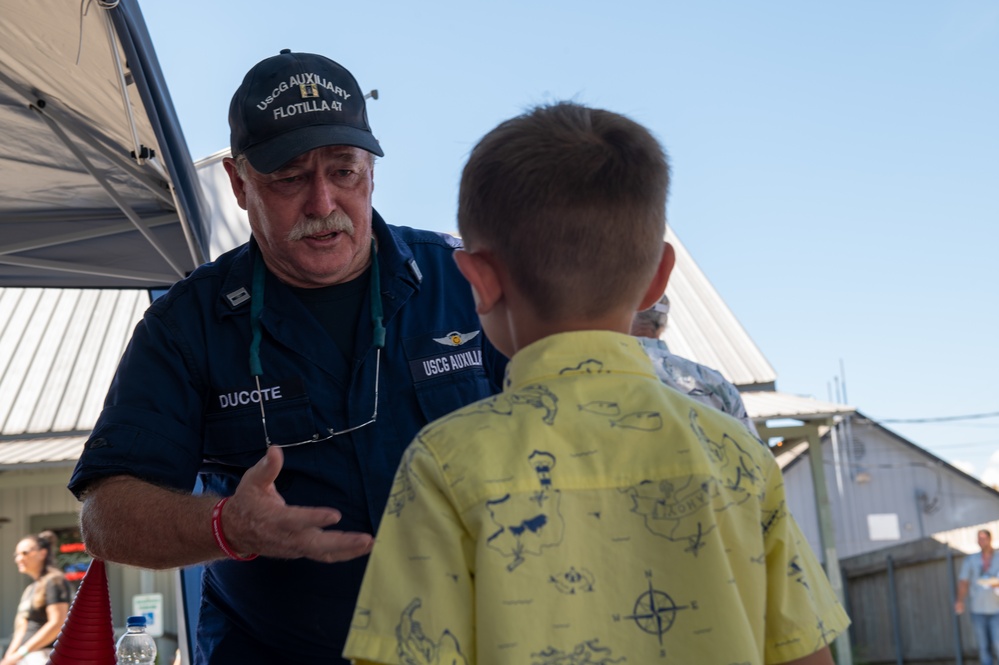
235 434
442 396
447 371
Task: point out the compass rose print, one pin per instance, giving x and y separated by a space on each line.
655 611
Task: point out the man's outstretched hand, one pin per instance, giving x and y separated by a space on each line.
256 519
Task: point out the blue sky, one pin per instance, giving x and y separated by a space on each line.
835 166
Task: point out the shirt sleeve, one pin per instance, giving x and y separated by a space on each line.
737 408
416 601
803 613
966 568
57 590
150 427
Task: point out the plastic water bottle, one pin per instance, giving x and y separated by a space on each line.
136 647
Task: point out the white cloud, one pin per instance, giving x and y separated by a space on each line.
967 467
991 477
991 474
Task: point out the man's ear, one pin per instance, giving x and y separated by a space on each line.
657 287
481 274
236 181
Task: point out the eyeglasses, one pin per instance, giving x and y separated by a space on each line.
332 433
256 369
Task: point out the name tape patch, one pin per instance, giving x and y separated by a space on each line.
283 390
446 363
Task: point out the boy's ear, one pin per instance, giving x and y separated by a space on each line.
657 287
481 274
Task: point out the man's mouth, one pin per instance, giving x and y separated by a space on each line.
325 229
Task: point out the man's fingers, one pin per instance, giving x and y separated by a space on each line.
263 523
319 545
341 546
291 532
302 518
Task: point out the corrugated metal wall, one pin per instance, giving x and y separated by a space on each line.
877 473
27 494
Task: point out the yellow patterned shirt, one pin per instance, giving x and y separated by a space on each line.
589 514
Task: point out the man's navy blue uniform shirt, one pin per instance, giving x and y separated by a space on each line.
183 404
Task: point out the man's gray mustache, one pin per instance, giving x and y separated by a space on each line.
338 222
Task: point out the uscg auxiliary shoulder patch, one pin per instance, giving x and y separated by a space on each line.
454 352
237 297
456 338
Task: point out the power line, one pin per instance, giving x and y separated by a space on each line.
940 419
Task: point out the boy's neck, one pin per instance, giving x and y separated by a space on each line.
529 328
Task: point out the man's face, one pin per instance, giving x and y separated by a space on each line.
311 217
984 540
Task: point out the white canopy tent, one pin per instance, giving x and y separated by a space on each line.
97 188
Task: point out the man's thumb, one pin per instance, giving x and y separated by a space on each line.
266 471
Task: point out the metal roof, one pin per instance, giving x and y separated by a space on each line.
769 405
785 455
58 352
702 328
43 452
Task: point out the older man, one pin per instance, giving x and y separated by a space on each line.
289 375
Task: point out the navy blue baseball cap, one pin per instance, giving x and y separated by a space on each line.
291 103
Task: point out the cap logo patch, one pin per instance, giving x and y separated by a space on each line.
303 81
456 338
312 99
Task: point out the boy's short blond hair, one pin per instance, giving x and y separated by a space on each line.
572 200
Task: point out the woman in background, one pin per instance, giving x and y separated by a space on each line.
44 603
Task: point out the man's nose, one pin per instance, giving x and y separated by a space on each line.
322 198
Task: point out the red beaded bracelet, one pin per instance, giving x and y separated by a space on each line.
220 538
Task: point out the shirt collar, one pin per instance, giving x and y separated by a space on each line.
393 258
585 352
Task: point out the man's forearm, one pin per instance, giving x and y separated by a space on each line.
133 522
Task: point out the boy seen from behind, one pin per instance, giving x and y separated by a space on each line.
588 513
